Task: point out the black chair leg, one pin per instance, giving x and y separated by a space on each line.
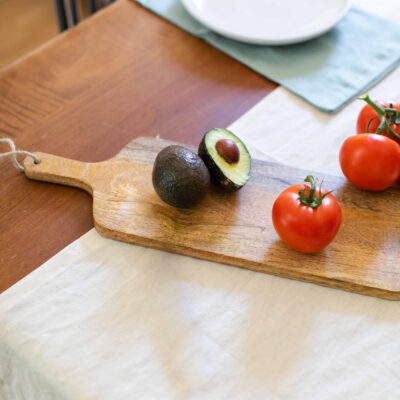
61 16
74 14
92 6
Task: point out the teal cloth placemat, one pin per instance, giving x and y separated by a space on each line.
327 71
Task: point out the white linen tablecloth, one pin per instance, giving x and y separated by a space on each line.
109 320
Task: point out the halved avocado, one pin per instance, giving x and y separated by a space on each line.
227 159
180 177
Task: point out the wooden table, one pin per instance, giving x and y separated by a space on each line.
122 73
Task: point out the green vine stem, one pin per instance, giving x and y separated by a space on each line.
311 200
387 116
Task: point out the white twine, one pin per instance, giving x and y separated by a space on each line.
14 153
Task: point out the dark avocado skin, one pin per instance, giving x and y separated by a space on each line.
180 177
217 176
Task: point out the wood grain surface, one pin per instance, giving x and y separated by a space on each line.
236 228
120 74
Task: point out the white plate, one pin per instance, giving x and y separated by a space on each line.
272 22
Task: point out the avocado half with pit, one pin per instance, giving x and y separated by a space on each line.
227 159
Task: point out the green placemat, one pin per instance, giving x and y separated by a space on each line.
327 71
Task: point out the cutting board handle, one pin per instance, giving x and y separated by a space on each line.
59 170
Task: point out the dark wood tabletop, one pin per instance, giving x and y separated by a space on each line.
122 73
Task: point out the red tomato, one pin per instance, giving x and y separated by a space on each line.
368 120
370 161
302 227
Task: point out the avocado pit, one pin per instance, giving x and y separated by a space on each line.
228 150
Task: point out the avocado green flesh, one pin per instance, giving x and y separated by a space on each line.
239 172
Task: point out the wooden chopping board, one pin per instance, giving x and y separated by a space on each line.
236 228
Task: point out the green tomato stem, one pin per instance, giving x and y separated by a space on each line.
392 132
369 123
311 200
381 126
380 111
387 116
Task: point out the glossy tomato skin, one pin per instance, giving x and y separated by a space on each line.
370 161
302 227
368 114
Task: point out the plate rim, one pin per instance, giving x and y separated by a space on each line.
188 5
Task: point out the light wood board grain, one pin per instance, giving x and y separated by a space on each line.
236 228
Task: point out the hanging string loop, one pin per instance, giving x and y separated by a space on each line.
13 153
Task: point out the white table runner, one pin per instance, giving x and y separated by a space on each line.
109 320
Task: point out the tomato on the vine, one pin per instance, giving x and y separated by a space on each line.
305 218
380 117
370 161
